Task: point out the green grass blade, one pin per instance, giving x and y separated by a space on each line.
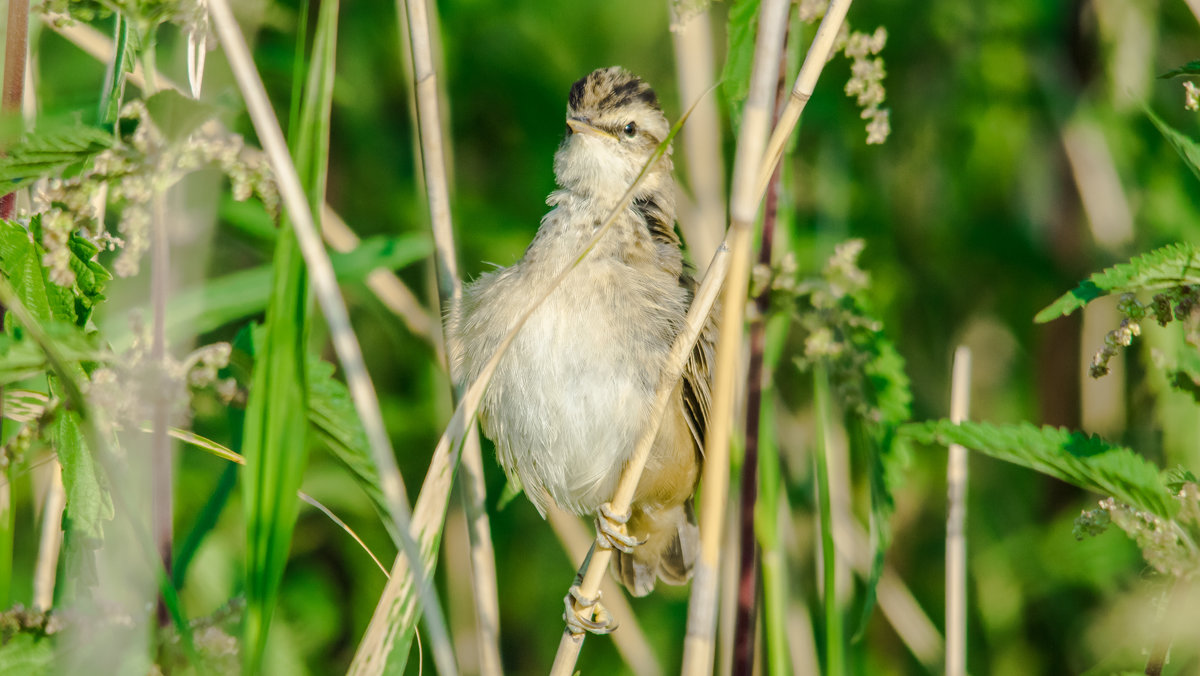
275 441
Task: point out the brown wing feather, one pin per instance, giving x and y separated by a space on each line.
697 375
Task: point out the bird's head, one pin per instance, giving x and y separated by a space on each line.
614 125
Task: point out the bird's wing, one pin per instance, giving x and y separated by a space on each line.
697 376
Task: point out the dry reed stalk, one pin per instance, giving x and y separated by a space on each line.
703 224
50 544
474 488
631 641
756 119
956 521
802 90
333 307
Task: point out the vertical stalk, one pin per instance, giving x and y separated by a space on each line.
698 646
51 542
703 164
474 489
749 581
16 45
835 655
956 518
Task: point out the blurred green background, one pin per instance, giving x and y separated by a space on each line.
1020 160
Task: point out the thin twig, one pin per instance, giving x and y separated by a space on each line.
333 307
699 644
956 519
474 488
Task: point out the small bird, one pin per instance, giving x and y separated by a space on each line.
574 391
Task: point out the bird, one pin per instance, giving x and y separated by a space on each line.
574 391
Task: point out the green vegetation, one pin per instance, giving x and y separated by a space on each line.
194 475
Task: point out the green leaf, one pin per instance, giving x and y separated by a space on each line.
27 655
336 423
1190 68
46 152
1170 266
739 56
214 303
1085 461
1177 476
176 115
22 358
1187 148
88 504
275 442
22 264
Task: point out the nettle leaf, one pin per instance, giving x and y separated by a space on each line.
1085 461
27 654
47 152
1190 68
1171 266
1187 148
335 420
89 503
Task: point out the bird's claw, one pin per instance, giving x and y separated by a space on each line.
610 530
584 614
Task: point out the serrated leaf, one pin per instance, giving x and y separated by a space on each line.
1187 148
1190 68
332 414
1172 265
27 655
88 504
1085 461
44 153
1177 476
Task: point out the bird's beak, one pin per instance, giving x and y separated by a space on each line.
581 127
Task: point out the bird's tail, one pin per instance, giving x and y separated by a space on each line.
672 542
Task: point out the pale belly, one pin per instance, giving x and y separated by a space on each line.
571 396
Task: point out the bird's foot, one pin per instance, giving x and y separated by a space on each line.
611 532
586 614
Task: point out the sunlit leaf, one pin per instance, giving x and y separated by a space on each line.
1085 461
1170 266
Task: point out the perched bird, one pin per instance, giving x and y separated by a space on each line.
574 391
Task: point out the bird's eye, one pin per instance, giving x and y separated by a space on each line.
631 130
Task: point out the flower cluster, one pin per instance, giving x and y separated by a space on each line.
1191 96
129 383
1176 304
866 81
130 175
1168 545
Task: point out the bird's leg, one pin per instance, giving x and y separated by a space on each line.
611 532
586 614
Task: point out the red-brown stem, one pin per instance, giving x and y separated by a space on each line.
15 47
748 580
